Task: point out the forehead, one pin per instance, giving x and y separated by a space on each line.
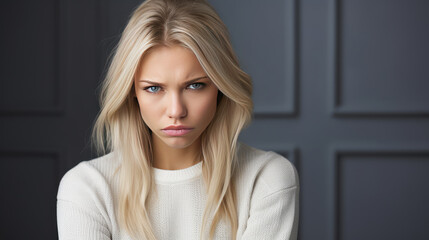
166 62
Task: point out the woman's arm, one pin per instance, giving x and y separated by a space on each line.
274 216
77 223
274 201
84 205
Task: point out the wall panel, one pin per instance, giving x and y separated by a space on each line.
378 61
266 41
28 182
30 81
380 193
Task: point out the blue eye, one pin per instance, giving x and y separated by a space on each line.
196 86
152 89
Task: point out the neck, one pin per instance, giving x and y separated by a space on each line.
168 158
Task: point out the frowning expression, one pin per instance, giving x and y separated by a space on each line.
176 98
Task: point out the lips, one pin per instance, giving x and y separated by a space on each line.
176 131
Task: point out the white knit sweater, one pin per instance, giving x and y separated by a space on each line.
267 200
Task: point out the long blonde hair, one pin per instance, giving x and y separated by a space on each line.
119 127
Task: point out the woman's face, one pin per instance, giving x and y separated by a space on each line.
176 98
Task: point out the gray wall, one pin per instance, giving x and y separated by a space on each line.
340 89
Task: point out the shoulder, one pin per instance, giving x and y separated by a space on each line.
89 180
268 171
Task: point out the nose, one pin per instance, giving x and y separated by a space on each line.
176 108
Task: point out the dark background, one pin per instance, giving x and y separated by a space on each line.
340 88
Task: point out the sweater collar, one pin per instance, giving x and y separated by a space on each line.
174 176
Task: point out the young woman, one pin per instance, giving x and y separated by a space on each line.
172 106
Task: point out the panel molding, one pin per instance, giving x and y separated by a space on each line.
334 171
334 78
50 154
290 107
57 107
56 155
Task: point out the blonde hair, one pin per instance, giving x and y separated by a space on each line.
119 127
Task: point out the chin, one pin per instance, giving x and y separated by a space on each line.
178 143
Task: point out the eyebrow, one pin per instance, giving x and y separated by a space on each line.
186 83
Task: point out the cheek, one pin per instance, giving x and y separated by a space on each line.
205 107
148 111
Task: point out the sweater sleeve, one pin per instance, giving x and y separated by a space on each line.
76 223
274 205
82 206
274 216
